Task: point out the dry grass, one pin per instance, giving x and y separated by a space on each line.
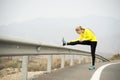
83 61
40 65
56 63
115 57
9 66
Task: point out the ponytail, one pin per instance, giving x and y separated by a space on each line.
79 28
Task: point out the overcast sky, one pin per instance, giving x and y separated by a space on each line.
21 10
35 18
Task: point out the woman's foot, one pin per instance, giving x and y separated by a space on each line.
91 68
64 42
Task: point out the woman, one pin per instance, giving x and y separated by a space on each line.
87 37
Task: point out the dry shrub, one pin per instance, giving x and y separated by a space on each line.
8 64
115 57
83 61
35 65
39 65
56 63
67 62
9 67
76 61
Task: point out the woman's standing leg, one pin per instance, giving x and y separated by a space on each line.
93 49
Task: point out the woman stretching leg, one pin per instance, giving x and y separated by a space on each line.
87 37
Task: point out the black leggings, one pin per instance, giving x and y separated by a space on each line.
93 47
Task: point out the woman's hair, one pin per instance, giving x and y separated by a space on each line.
79 28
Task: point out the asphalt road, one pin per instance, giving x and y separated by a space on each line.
111 72
77 72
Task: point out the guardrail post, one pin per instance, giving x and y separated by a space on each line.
62 61
80 59
49 64
24 68
71 60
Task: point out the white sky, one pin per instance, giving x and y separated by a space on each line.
12 11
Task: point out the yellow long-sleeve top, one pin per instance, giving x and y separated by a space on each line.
86 35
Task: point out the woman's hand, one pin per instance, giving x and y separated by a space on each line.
80 41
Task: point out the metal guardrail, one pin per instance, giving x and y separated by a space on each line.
18 47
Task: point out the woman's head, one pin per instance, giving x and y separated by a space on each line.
79 29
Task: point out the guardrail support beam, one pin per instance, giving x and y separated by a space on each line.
80 58
72 60
49 64
62 61
24 68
